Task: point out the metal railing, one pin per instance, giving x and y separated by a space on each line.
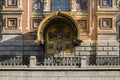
101 61
105 61
7 60
60 61
75 61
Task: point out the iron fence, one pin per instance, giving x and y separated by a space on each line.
6 60
10 60
60 61
108 60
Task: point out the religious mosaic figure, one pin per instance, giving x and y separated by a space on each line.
59 44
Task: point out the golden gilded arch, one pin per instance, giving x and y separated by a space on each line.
40 31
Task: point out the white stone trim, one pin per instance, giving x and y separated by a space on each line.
28 15
47 6
73 4
20 1
20 23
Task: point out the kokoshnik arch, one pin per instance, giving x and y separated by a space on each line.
58 31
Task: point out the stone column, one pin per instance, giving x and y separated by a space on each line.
32 61
84 61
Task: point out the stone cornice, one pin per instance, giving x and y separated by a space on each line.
107 33
108 12
11 11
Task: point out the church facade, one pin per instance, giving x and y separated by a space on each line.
94 18
61 34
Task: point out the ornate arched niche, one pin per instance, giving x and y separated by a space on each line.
58 31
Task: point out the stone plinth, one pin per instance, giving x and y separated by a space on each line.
32 61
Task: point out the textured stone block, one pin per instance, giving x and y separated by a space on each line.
19 48
85 43
54 74
2 48
34 73
10 48
100 48
29 48
62 78
26 53
80 48
37 48
34 53
60 75
90 48
11 43
12 78
29 43
76 48
102 53
77 74
117 78
106 37
31 53
5 43
102 43
114 53
84 78
113 43
5 52
18 43
93 43
84 53
16 53
93 52
115 48
93 48
102 78
108 48
40 52
78 78
53 78
77 53
11 37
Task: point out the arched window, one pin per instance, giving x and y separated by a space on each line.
59 5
